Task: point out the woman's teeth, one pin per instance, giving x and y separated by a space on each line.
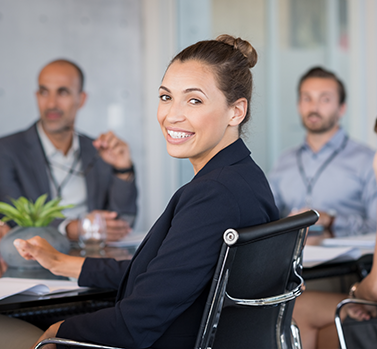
174 134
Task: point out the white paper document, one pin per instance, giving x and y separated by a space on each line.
133 239
361 241
36 287
315 255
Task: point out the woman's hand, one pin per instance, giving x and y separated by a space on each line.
360 312
38 249
48 257
49 333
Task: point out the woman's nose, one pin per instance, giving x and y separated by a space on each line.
175 113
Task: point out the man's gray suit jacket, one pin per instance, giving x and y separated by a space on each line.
23 172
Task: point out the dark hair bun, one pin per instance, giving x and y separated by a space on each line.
243 46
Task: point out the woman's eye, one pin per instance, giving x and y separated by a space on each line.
165 98
195 101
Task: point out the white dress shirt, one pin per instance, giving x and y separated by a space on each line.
72 185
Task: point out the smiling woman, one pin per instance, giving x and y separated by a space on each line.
162 291
194 115
205 97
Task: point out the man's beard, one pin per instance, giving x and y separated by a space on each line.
322 127
64 127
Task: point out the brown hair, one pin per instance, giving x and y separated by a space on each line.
319 72
230 59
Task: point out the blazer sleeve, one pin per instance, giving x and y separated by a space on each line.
174 278
102 272
105 190
122 196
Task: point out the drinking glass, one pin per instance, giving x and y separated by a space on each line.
92 233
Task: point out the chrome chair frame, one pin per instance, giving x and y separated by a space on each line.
338 321
67 342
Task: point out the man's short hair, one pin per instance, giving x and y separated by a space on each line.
319 72
74 65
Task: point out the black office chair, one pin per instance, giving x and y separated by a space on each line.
356 334
254 287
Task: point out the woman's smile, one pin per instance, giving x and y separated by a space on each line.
175 136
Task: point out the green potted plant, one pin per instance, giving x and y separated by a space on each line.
32 219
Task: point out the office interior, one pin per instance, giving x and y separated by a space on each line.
124 47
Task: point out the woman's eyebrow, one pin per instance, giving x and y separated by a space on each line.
188 90
164 88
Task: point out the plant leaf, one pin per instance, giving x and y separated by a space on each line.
26 213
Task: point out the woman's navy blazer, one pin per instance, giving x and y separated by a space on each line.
163 289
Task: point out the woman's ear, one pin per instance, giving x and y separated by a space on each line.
239 109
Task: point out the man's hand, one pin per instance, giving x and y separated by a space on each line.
4 228
113 150
325 219
3 267
49 333
116 228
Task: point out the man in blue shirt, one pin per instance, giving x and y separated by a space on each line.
329 172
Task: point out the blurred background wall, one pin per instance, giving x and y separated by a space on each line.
124 47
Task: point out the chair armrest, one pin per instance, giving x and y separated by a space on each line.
273 300
68 342
338 322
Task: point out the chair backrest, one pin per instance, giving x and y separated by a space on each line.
255 284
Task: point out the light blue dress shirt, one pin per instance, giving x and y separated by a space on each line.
346 186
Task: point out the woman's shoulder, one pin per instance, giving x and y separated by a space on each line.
237 181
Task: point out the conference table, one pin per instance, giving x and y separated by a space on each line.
45 310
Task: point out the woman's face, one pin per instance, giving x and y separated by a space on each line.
193 113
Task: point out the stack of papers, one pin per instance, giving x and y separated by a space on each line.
35 287
361 241
315 255
341 249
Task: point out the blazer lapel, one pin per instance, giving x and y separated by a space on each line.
35 160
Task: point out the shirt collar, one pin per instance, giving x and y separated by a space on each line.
334 142
50 149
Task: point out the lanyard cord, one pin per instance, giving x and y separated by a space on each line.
59 187
310 182
76 172
70 171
